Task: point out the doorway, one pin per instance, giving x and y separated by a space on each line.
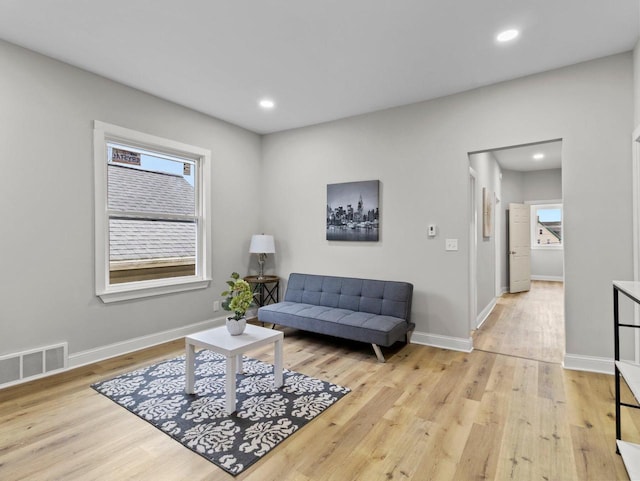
530 176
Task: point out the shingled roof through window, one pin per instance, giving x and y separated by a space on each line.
138 190
147 191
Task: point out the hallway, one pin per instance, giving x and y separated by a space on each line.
527 324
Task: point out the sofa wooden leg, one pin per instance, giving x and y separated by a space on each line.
409 333
378 352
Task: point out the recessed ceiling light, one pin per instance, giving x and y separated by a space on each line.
538 156
267 103
507 35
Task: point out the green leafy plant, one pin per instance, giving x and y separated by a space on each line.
239 297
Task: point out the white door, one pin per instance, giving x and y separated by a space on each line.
519 248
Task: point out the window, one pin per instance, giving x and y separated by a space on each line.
546 223
152 225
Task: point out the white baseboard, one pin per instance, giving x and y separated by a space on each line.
485 312
105 352
577 362
445 342
548 278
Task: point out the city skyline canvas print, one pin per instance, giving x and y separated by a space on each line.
353 212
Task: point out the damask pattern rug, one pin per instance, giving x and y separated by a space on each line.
265 415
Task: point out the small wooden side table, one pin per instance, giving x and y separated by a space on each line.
265 290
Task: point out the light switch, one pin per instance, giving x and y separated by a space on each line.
432 230
451 244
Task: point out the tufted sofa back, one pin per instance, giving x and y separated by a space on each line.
386 298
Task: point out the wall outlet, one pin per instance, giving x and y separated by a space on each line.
216 306
451 244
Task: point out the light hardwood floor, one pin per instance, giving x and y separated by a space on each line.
427 414
527 324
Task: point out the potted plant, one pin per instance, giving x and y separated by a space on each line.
239 298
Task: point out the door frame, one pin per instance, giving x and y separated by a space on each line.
473 250
497 236
635 148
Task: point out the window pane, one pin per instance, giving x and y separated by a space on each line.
150 249
141 182
151 210
549 226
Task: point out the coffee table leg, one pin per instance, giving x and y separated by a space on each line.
189 367
230 387
240 368
277 366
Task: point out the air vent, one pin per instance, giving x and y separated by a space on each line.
35 363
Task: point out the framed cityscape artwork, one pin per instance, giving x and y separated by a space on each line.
353 212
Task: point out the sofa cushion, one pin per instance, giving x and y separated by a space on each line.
354 325
388 298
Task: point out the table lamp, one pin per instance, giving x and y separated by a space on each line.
262 245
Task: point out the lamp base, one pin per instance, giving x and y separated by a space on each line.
261 259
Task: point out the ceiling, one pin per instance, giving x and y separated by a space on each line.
521 158
319 61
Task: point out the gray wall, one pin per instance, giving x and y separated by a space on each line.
547 264
46 186
420 154
542 185
488 177
636 83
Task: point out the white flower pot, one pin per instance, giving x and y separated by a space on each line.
234 327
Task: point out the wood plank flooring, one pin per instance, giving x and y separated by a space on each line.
427 414
527 324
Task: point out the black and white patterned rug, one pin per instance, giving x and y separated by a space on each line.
265 416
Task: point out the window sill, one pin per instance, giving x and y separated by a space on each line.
547 248
125 292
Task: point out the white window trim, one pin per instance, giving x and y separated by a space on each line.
103 133
545 204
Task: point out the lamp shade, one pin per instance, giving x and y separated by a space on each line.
262 244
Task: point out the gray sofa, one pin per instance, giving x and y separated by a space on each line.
366 310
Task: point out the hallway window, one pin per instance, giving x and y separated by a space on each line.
546 228
152 219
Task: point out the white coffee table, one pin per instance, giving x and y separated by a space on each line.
219 340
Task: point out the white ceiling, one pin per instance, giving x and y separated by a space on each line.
521 158
320 60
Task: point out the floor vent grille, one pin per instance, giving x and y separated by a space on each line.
32 364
